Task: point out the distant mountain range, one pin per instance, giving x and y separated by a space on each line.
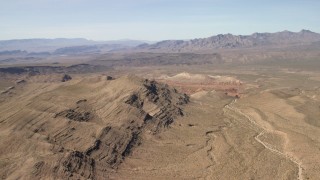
51 45
229 41
62 46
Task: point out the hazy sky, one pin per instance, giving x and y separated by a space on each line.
153 19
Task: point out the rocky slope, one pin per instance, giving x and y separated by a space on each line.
82 129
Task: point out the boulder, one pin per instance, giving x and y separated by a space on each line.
66 77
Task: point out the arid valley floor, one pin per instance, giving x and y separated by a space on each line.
257 123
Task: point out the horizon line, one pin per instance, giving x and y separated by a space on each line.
130 39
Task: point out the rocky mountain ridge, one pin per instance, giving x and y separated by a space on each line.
229 41
87 133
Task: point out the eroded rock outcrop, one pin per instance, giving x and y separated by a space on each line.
66 77
159 101
80 113
148 107
78 165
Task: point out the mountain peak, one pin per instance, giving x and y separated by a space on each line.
306 31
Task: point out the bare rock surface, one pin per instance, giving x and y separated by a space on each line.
86 129
66 77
